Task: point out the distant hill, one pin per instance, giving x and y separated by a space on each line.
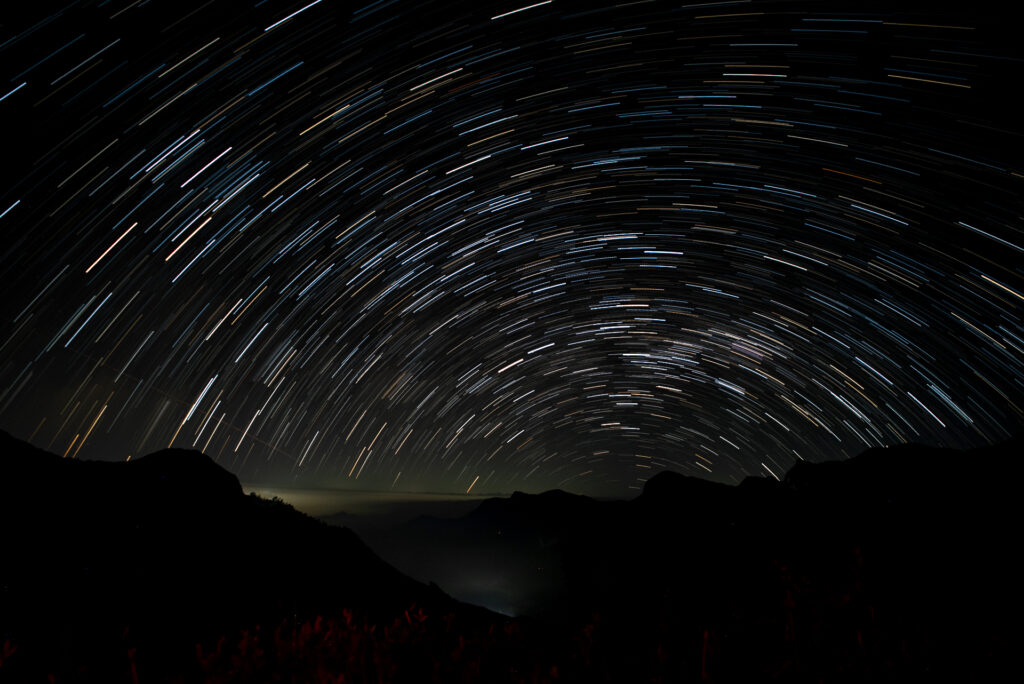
168 546
904 556
898 565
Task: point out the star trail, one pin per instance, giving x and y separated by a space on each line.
436 246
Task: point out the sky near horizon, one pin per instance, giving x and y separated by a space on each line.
475 247
392 505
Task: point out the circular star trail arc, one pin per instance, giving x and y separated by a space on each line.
508 246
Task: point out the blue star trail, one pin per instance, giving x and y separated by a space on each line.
443 246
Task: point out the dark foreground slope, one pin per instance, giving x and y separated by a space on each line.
117 571
902 562
898 565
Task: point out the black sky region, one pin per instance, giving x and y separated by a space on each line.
438 246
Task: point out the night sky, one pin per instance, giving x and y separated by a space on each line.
437 246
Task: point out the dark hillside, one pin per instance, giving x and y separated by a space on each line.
899 564
898 561
165 551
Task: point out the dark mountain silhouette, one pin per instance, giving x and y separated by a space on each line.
898 565
503 555
899 562
164 551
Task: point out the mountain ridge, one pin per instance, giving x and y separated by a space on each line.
165 551
911 489
900 562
